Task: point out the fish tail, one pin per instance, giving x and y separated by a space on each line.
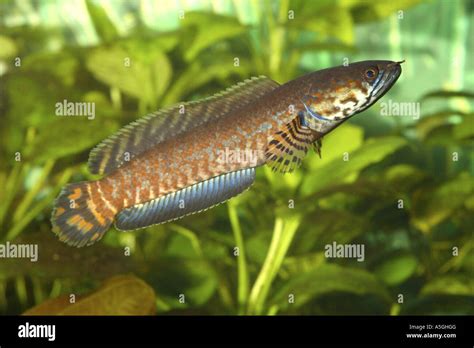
76 219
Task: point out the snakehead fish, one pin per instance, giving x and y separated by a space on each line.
173 162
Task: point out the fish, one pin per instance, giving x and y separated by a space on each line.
192 156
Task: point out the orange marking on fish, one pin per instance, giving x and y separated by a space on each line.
59 211
73 220
95 236
93 208
76 194
105 200
81 224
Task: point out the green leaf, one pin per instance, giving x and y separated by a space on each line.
451 284
439 305
325 279
329 22
432 205
403 177
9 48
119 295
447 94
103 25
209 29
367 11
294 265
338 170
63 65
67 136
335 144
332 225
140 74
465 129
194 278
429 124
57 260
192 78
395 269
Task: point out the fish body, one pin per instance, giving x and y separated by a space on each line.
175 162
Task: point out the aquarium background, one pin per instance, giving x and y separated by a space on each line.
402 186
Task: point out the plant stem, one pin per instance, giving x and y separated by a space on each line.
242 272
18 227
283 234
28 199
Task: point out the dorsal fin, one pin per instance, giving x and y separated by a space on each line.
289 145
154 128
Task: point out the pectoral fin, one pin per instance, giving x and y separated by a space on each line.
288 146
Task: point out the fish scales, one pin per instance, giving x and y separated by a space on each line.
276 126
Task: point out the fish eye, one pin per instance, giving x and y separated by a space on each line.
370 73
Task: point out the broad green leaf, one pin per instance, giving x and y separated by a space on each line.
119 295
193 278
335 144
432 205
184 245
450 284
367 11
396 268
328 278
192 78
166 41
103 25
57 260
403 171
9 48
294 265
324 226
329 22
36 107
403 177
67 136
257 247
209 29
338 170
434 121
63 65
144 76
439 305
465 129
161 71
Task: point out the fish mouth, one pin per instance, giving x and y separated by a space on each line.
390 75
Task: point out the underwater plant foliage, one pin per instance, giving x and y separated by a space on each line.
401 186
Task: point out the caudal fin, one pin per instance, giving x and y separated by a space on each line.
76 219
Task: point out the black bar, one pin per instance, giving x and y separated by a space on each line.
233 329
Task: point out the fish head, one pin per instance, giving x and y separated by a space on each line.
333 95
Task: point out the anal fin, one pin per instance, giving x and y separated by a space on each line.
190 200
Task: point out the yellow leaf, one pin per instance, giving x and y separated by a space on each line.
119 295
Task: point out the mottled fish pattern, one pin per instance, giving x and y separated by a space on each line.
175 162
